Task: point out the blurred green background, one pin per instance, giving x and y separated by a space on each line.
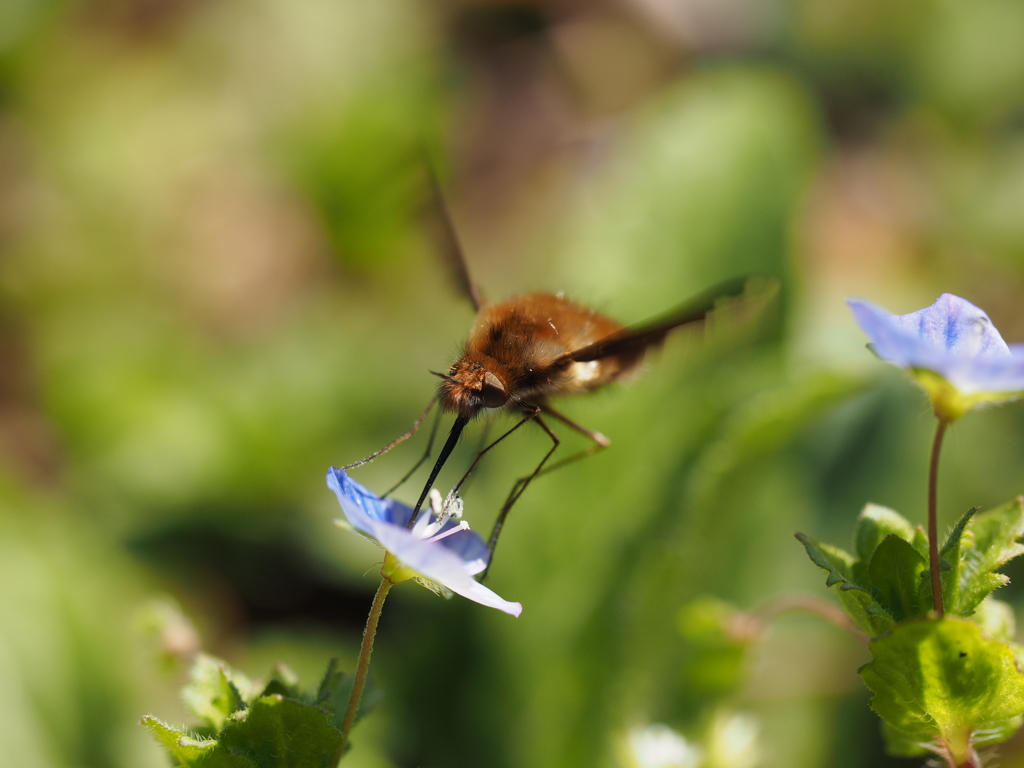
216 281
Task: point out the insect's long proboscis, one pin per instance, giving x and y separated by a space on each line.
449 446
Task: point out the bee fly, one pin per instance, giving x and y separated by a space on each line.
526 350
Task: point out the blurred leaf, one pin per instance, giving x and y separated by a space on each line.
715 660
372 696
336 689
943 679
283 681
895 571
996 619
211 695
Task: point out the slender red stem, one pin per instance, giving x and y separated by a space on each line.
933 521
362 666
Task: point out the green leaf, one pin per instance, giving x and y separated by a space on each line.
902 744
866 612
996 619
276 732
211 695
186 750
862 606
920 542
873 525
989 541
285 682
895 571
950 566
942 679
836 561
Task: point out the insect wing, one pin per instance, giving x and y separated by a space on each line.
636 339
454 256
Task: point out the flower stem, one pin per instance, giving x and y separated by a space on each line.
933 521
362 666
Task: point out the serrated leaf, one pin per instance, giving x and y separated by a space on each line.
330 681
871 617
950 567
184 749
873 525
942 680
211 696
989 541
862 606
275 732
837 562
895 574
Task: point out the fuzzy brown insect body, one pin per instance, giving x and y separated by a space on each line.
519 353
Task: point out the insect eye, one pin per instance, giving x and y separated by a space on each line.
492 393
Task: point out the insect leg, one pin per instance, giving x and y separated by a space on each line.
485 436
600 441
517 491
396 441
532 414
424 457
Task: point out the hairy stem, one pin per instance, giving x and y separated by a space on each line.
362 666
933 521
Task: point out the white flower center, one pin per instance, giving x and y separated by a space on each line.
440 513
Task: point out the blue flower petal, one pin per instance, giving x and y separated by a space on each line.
451 561
951 338
361 505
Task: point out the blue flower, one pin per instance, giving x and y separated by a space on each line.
437 548
951 348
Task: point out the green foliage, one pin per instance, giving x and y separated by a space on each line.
255 725
944 680
874 524
989 541
945 685
889 580
895 573
211 695
858 600
717 637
